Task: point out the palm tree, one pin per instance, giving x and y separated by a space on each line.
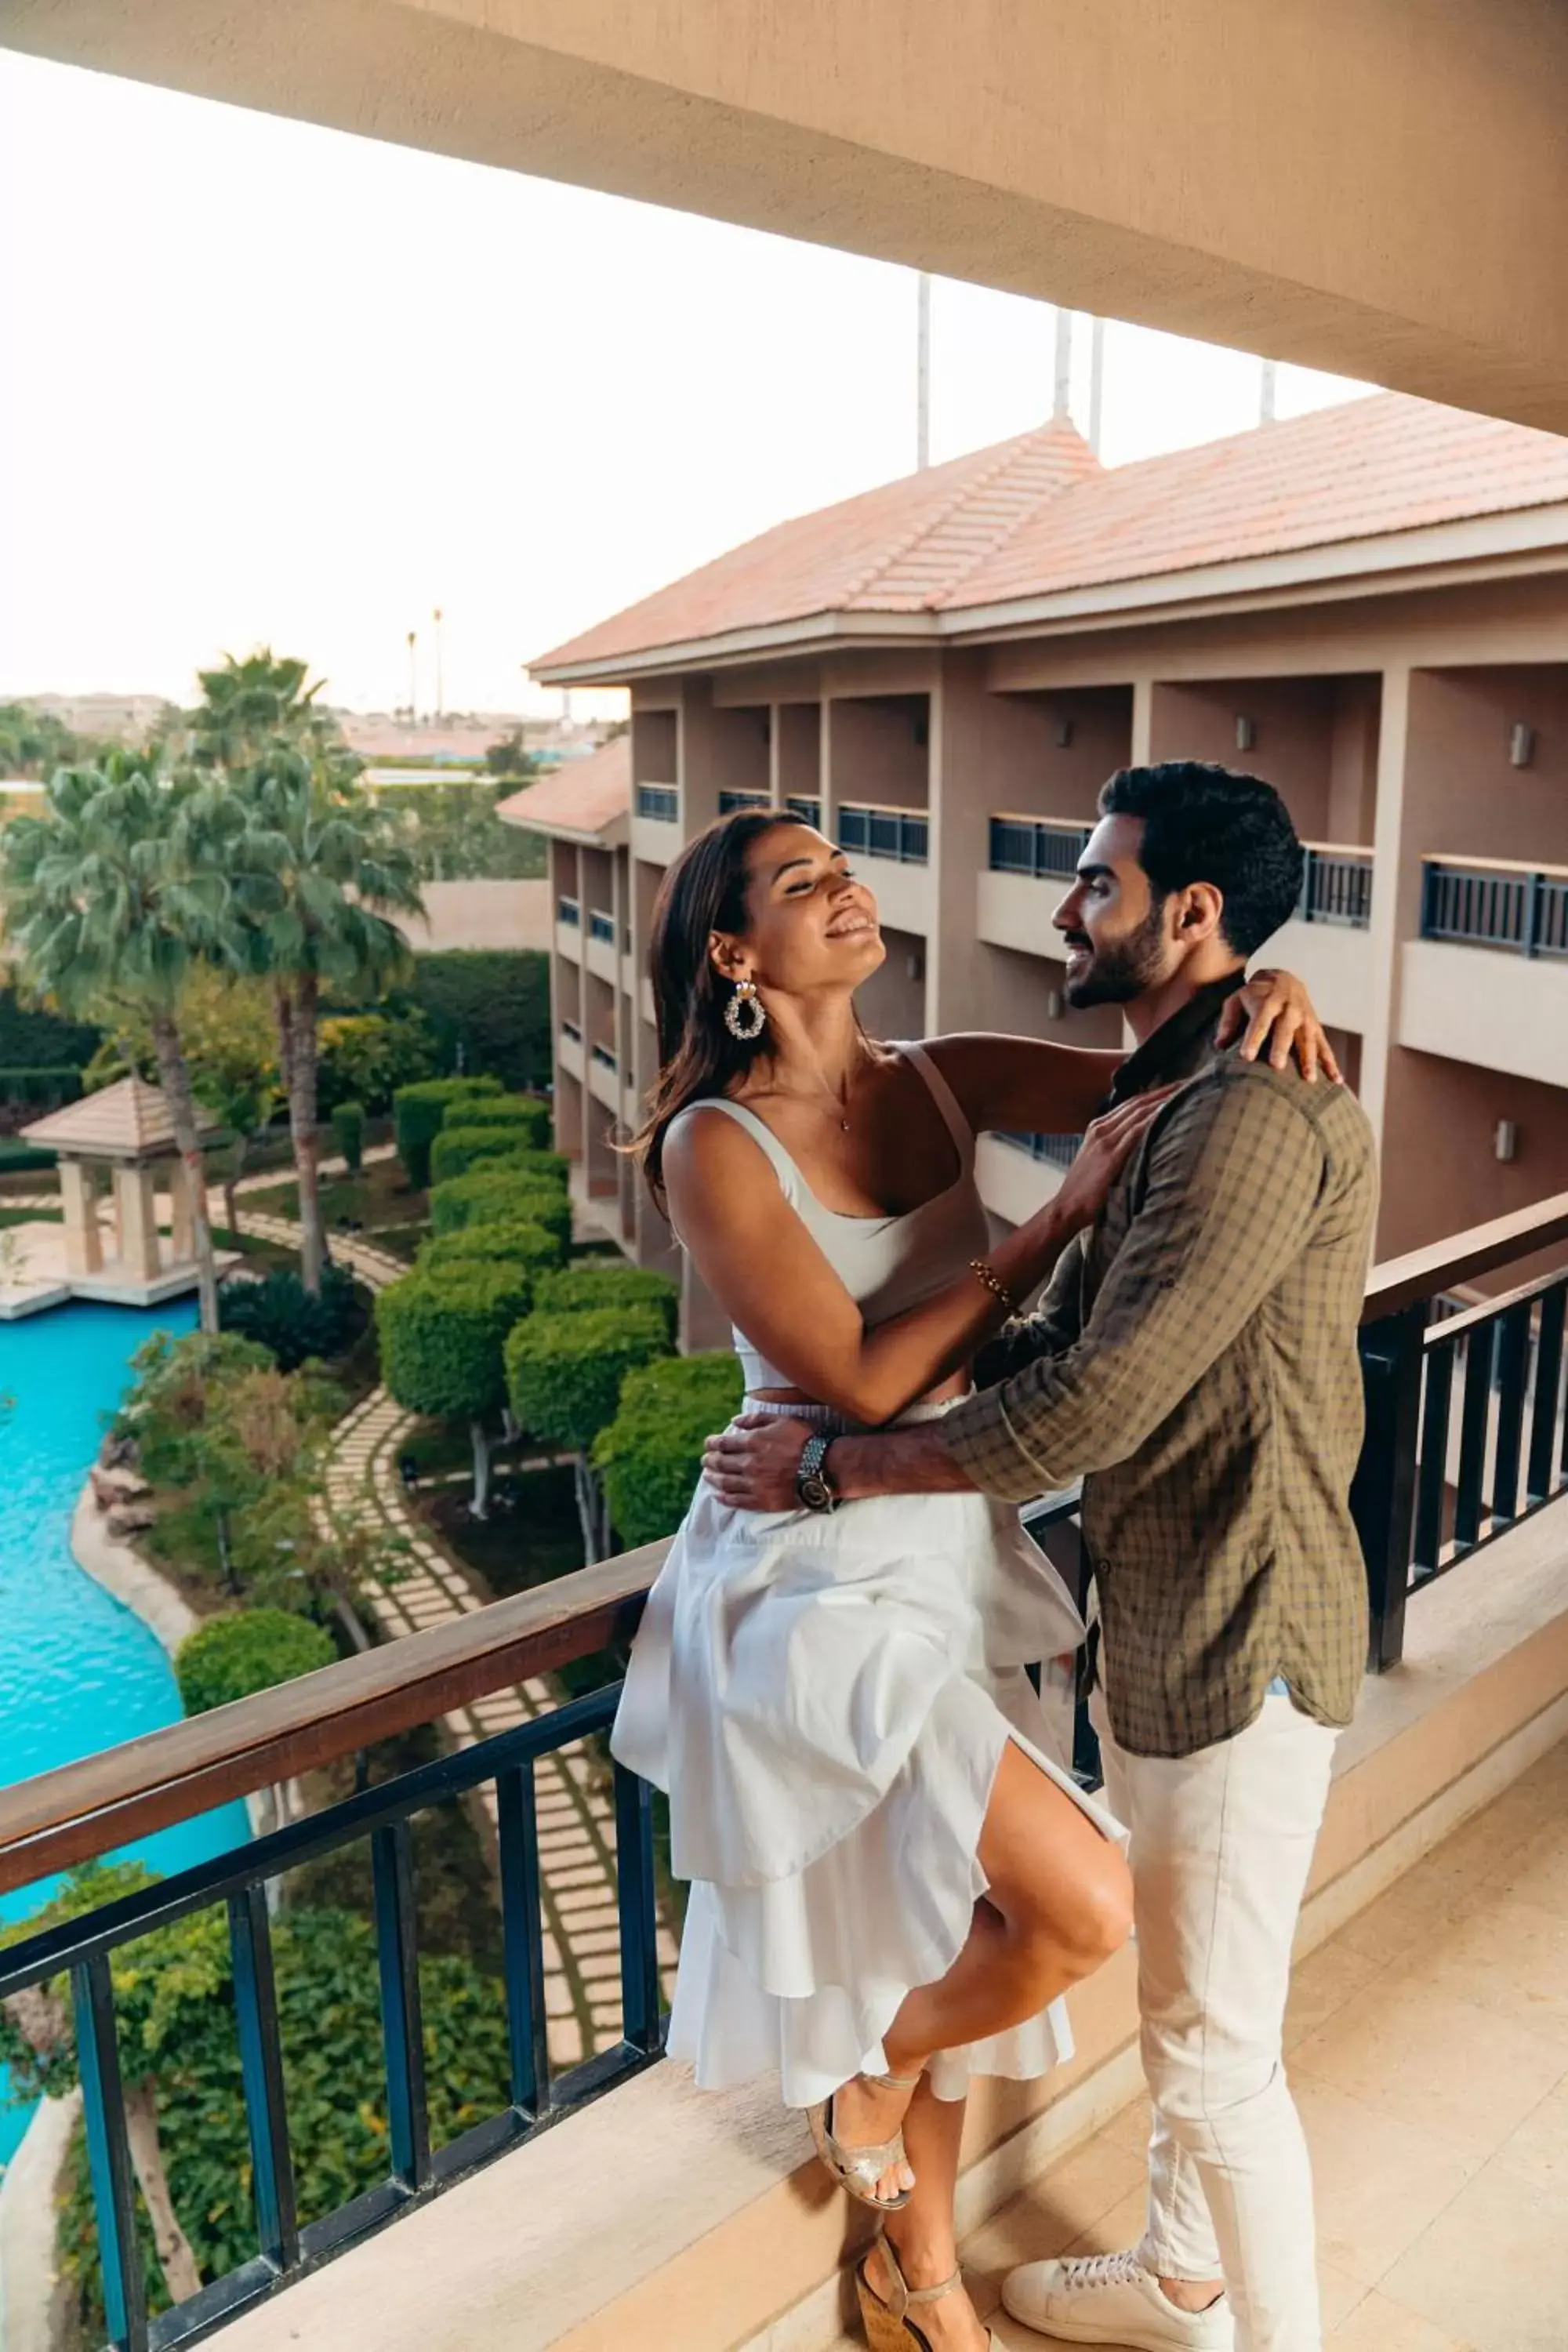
319 873
249 705
119 888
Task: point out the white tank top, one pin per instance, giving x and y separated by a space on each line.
886 1264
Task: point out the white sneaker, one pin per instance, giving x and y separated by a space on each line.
1112 2299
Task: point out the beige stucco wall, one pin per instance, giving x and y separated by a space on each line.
482 915
1301 178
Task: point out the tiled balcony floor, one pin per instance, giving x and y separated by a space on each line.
1428 2049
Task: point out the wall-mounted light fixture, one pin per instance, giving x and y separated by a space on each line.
1246 734
1064 733
1056 1005
1505 1140
915 963
1521 744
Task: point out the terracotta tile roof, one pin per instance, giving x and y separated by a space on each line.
580 796
129 1121
899 548
1037 516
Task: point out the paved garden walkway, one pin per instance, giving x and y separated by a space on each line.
576 1826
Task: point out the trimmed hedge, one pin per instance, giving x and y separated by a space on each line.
529 1113
44 1084
651 1456
564 1372
280 1313
458 1149
492 1005
442 1331
501 1195
517 1244
348 1134
418 1112
601 1282
231 1657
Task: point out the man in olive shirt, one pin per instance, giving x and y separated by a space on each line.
1195 1361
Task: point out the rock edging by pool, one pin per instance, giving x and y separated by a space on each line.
30 2287
122 1572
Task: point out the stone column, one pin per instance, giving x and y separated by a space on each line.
139 1249
182 1236
79 1199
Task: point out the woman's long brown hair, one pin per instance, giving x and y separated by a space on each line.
703 891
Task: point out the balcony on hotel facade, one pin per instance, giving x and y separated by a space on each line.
569 929
605 1078
1018 1174
893 845
1486 981
602 953
569 1052
655 822
602 2201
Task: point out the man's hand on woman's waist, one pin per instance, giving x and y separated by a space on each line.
751 1466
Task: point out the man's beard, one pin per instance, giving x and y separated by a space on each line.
1115 975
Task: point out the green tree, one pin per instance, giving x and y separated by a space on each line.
119 890
455 834
325 875
366 1056
248 707
442 1330
251 1649
564 1375
490 1010
651 1454
35 743
348 1134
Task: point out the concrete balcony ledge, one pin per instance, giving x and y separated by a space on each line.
1335 960
1497 1010
662 2218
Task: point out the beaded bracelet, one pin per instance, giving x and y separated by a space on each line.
987 1273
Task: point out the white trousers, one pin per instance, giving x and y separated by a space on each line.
1221 1845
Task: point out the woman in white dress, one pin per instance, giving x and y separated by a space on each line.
894 1877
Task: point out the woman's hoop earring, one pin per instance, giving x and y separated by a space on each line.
745 1016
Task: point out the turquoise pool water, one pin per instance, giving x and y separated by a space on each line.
77 1671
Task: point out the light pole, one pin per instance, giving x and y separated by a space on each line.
412 687
922 374
440 690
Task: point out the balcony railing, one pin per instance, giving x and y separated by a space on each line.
729 802
604 1059
602 927
1060 1151
567 910
868 830
806 807
1045 848
1336 886
572 1032
1466 1437
1486 903
661 801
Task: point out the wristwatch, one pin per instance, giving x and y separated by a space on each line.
811 1483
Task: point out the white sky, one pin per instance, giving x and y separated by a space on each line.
265 382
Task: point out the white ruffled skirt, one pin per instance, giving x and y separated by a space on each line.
825 1700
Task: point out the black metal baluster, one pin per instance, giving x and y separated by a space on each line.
1548 1379
392 1866
1383 1496
523 1938
261 2068
109 2154
1513 1375
639 1911
1432 1476
1474 1419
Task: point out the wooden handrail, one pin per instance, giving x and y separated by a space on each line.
1050 823
1493 865
880 808
1339 849
1442 1266
85 1808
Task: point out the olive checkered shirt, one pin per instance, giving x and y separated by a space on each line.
1195 1361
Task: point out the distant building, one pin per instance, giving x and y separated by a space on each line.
118 718
1367 605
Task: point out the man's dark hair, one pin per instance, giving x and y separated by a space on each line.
1203 823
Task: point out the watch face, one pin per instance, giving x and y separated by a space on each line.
814 1492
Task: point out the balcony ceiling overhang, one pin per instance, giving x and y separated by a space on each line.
1354 185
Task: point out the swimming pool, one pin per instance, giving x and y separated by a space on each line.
77 1672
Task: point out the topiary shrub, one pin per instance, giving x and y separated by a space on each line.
418 1112
231 1657
442 1331
279 1312
499 1195
348 1134
458 1149
605 1282
515 1242
530 1115
563 1371
651 1456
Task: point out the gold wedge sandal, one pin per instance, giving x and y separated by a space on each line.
887 2324
859 2170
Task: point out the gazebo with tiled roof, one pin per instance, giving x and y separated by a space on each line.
127 1130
